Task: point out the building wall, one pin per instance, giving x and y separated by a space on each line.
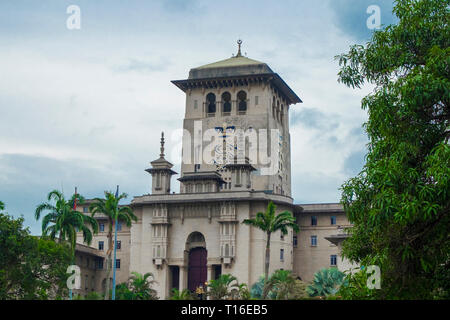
122 254
307 258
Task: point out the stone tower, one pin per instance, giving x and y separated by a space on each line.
236 108
161 172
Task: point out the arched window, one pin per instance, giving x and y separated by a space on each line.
226 102
211 103
242 102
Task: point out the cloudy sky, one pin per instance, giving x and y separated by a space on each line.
86 107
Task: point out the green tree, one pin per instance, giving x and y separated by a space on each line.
399 203
123 292
176 294
30 267
326 282
2 206
356 287
138 287
282 284
269 222
64 221
141 286
109 206
299 290
223 287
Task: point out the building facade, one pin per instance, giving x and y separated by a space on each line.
236 159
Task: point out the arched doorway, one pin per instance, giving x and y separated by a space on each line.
197 270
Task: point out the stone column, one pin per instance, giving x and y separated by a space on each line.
209 275
183 277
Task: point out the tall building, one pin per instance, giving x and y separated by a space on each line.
236 159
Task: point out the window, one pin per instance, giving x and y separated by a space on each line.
256 100
226 102
281 254
86 282
333 220
102 227
195 104
119 226
85 209
313 220
313 241
117 263
211 103
101 245
295 241
333 260
242 102
87 262
119 245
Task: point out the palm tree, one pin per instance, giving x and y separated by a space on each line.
63 220
185 294
2 206
326 282
223 287
270 223
141 286
113 212
282 283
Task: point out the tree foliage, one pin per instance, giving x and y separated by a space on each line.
184 294
326 282
109 206
223 288
138 287
399 203
282 284
30 267
63 220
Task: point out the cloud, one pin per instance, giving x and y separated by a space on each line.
351 16
354 162
313 118
26 180
143 66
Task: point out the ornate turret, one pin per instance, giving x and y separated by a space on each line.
161 172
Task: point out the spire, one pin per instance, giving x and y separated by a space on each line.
239 42
162 145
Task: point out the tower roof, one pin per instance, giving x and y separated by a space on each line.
234 66
161 164
237 70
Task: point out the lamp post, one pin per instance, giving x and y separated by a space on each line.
113 295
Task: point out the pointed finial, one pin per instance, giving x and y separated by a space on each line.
239 42
162 145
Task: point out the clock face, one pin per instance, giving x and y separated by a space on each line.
224 153
225 149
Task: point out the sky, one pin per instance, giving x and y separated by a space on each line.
85 107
